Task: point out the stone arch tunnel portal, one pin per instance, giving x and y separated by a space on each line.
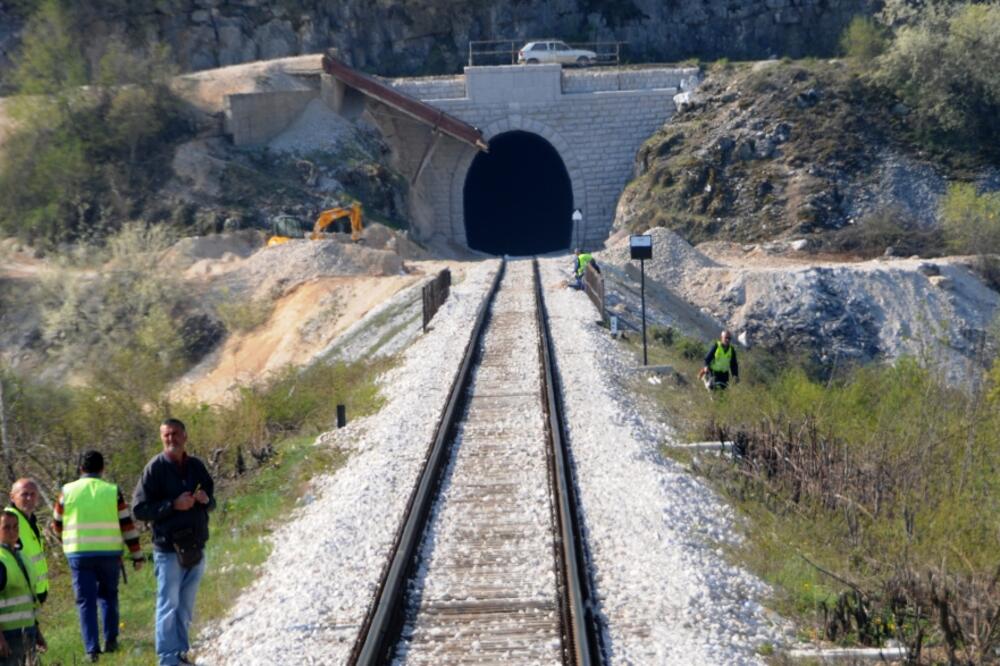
518 197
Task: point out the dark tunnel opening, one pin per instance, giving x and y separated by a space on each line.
518 197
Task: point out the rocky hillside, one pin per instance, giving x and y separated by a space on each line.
781 149
431 36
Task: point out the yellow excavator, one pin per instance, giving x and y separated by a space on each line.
325 219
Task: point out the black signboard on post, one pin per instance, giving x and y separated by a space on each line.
641 248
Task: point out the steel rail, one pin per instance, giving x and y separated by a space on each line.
585 631
383 623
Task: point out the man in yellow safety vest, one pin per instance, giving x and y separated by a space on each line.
20 636
721 363
92 519
23 502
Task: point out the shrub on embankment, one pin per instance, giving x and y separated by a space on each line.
94 129
258 447
874 501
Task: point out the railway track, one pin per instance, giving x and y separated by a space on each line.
489 565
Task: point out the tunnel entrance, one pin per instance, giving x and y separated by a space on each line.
518 197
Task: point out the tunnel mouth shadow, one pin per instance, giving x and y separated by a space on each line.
518 197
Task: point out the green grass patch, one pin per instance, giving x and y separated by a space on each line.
871 497
263 457
249 510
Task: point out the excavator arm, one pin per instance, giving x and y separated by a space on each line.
328 217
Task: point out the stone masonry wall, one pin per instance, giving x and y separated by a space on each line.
427 88
597 132
596 120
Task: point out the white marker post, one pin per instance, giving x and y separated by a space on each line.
642 249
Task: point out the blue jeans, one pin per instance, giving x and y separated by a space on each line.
95 582
176 588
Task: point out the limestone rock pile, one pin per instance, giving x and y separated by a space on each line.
836 312
272 269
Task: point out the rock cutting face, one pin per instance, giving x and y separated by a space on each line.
518 197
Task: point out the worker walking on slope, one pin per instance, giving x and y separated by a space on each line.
24 498
720 363
20 635
92 519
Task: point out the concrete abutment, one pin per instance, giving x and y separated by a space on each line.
594 119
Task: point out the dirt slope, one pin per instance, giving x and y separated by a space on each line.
305 320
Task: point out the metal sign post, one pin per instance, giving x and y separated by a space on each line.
641 248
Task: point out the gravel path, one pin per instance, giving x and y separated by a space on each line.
666 593
314 590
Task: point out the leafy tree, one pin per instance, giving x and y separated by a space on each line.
862 40
971 221
51 60
946 69
91 135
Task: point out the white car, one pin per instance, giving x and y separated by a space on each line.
553 51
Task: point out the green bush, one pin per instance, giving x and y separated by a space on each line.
971 221
244 315
946 70
862 40
690 348
93 135
889 227
899 470
665 335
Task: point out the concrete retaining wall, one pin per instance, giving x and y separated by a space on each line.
256 118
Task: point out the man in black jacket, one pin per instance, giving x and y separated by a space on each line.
175 494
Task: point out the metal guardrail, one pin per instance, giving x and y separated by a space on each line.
504 51
435 293
593 284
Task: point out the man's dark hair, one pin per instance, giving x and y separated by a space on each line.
91 462
174 423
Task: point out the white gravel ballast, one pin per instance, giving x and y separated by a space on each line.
312 593
666 593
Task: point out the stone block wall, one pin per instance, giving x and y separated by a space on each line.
255 118
437 87
597 130
602 80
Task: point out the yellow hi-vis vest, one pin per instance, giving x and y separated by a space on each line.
32 551
90 517
722 358
17 603
582 262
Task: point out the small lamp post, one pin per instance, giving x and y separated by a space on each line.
641 248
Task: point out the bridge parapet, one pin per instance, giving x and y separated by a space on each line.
618 79
431 87
539 83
